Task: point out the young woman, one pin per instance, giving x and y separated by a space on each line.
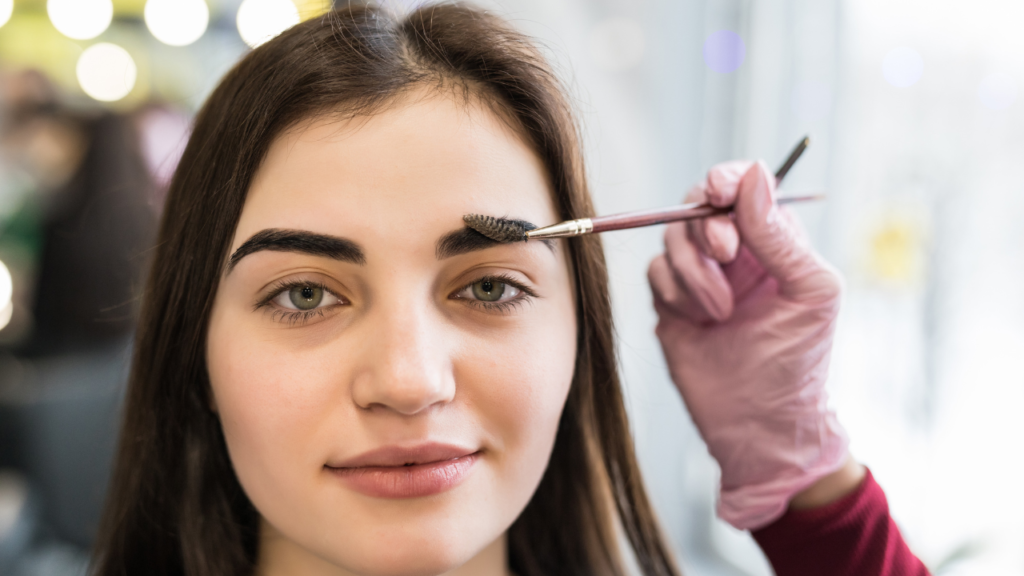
334 376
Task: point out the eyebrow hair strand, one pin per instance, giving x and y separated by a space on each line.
278 240
461 241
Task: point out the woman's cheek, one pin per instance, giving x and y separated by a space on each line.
518 387
269 401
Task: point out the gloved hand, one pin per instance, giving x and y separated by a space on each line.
746 315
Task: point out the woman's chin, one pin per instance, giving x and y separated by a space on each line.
413 559
415 547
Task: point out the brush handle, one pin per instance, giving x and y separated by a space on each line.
675 213
693 209
689 211
654 216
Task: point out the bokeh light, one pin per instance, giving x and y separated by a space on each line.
724 51
5 315
997 91
80 19
261 20
897 249
106 72
617 43
902 67
177 22
6 286
313 8
811 100
6 9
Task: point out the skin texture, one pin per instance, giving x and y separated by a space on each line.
405 355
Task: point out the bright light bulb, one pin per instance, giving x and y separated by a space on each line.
6 9
106 72
177 22
80 19
261 20
6 286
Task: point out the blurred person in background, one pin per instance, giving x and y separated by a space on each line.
75 224
84 220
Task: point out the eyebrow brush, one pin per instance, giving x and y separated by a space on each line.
504 230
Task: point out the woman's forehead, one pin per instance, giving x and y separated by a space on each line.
420 164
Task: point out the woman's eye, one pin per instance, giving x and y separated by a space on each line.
490 290
305 297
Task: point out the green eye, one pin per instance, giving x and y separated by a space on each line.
488 290
306 297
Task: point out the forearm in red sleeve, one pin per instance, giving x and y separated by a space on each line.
853 536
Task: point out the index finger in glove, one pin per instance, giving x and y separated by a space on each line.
699 275
717 236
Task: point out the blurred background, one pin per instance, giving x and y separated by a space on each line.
917 130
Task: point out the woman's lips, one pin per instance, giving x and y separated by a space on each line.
406 472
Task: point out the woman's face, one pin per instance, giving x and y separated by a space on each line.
390 385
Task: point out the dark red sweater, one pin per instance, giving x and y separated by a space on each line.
853 536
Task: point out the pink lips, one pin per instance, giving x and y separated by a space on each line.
399 472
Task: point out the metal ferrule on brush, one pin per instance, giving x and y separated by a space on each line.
563 229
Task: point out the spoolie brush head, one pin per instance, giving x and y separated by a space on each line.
498 229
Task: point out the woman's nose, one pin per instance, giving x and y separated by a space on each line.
406 366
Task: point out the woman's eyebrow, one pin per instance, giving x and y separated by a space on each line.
299 241
466 240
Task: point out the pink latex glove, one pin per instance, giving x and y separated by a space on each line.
746 315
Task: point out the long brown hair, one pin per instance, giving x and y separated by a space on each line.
175 506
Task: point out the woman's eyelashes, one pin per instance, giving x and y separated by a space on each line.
298 302
495 293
